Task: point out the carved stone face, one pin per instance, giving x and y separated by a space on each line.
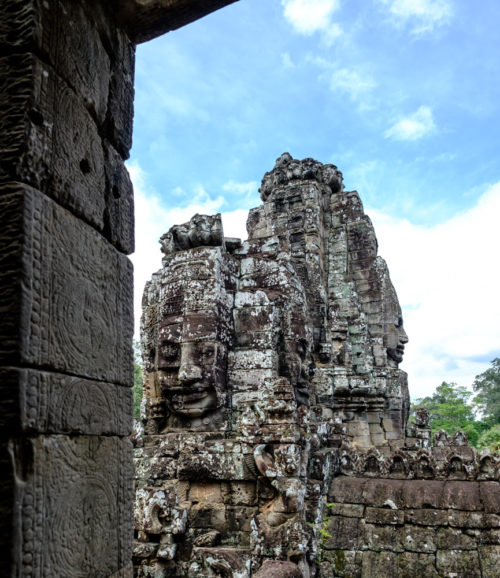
296 366
191 374
395 338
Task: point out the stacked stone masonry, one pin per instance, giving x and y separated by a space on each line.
274 438
67 319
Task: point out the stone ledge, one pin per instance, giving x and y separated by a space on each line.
147 19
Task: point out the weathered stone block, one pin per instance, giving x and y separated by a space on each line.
453 538
344 533
381 538
251 360
427 517
347 490
424 494
379 439
490 536
490 496
375 428
242 494
394 435
418 538
156 469
209 466
459 519
340 563
363 442
254 318
465 496
63 154
205 493
256 339
347 510
358 428
120 109
380 563
118 216
74 498
51 142
72 291
411 564
489 558
58 403
225 519
95 58
249 380
384 493
384 516
76 50
459 563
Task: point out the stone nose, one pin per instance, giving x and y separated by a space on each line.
189 372
403 338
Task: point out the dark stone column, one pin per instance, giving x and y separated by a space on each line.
66 316
66 290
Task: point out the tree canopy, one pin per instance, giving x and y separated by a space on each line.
453 407
450 408
487 386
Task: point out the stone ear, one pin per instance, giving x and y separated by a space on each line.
265 461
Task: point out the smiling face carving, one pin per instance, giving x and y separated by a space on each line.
395 338
191 374
189 347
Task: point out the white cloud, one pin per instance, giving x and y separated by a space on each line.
247 193
447 281
287 61
357 84
422 15
351 82
413 127
309 16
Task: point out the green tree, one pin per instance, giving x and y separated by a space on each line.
490 438
450 408
137 388
487 386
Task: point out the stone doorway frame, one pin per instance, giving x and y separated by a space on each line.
66 209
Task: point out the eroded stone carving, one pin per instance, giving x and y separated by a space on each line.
261 360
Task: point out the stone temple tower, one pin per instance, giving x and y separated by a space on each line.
262 360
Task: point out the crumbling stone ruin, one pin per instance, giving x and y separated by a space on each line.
275 438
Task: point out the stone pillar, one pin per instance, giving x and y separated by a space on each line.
66 312
66 317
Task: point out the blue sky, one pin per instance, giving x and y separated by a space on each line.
402 95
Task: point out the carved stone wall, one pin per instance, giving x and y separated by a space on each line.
418 527
66 210
66 300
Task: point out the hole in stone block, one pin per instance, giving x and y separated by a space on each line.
35 117
85 166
